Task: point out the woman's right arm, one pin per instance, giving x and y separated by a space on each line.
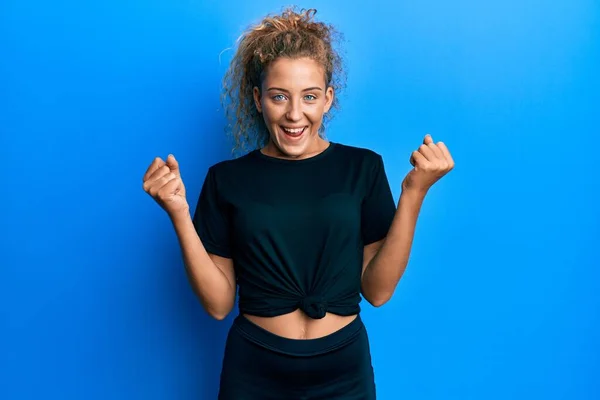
212 277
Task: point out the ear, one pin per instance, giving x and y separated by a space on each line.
329 95
256 94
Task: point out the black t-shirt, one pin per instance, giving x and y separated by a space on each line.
296 229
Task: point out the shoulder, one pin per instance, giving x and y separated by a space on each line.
357 151
364 157
230 167
226 178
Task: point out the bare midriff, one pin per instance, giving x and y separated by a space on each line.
298 325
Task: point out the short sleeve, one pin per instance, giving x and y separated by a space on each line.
378 207
211 219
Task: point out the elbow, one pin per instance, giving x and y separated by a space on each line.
218 313
218 316
377 295
378 301
217 308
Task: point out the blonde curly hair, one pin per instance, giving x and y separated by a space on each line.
292 34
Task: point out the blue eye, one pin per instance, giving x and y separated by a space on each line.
311 97
278 97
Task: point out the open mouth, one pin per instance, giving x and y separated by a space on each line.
294 133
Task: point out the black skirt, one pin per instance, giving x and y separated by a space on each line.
259 365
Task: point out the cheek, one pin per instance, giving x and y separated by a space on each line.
272 113
315 116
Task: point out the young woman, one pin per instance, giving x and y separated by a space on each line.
301 225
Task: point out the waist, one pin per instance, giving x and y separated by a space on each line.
298 325
337 338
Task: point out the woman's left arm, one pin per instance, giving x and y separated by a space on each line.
385 261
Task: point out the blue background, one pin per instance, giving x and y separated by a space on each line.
501 298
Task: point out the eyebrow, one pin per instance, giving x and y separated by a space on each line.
287 91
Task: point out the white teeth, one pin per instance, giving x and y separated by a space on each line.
298 130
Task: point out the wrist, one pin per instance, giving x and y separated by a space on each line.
416 194
180 216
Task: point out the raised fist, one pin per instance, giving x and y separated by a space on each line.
431 162
163 182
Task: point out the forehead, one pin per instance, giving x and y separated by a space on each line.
294 73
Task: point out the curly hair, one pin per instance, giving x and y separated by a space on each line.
292 34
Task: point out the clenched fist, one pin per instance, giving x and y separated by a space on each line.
431 162
163 182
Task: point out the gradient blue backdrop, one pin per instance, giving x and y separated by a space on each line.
501 297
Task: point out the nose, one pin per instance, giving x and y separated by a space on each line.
294 111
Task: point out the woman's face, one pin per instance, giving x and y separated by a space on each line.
293 99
